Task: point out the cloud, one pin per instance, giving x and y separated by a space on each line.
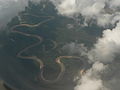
91 79
100 77
103 12
107 46
65 7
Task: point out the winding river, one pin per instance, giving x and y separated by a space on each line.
40 40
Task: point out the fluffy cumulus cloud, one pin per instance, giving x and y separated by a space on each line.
65 7
91 79
104 12
100 77
10 8
106 47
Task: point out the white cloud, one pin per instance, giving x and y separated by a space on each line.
91 79
107 46
67 7
103 11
